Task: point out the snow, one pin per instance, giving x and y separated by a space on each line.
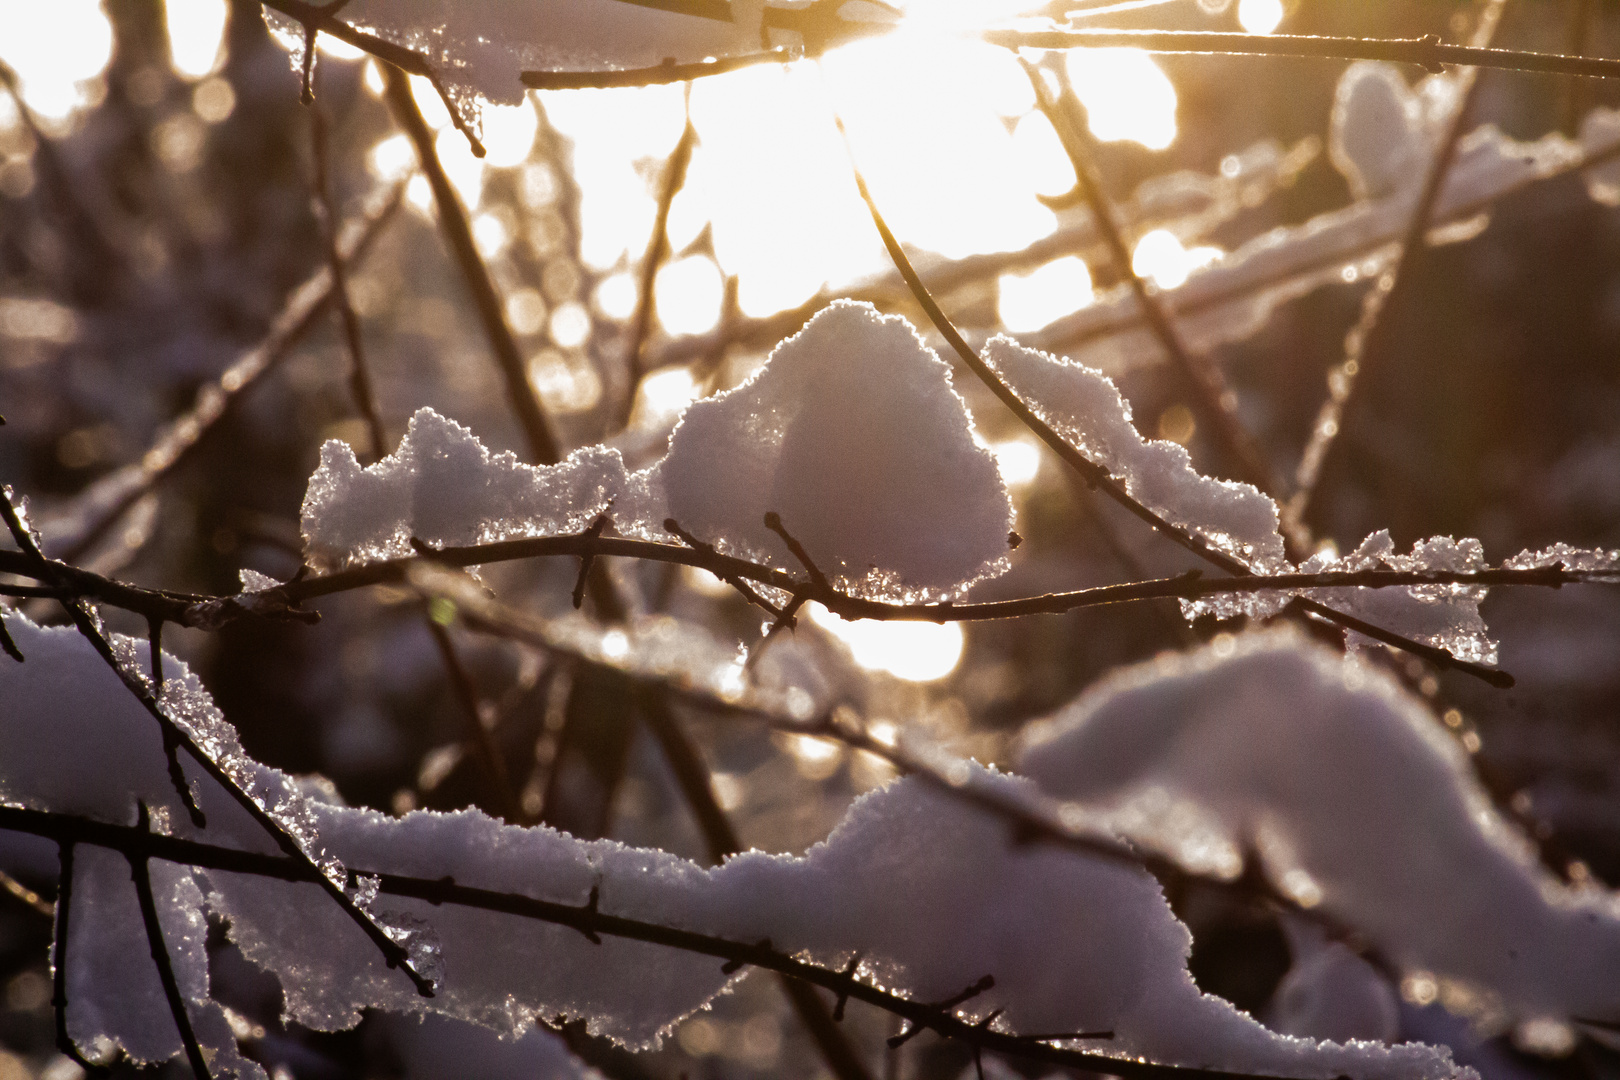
930 891
851 432
1353 798
1086 407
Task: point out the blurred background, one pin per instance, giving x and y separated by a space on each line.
158 214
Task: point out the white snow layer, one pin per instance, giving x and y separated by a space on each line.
1353 798
932 892
851 432
487 44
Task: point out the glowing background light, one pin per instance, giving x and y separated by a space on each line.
1259 16
1125 94
914 651
687 295
196 30
1160 257
663 394
58 51
1031 301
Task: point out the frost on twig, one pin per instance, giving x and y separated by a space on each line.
1354 800
928 890
850 432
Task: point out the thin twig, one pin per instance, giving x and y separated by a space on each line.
359 373
520 392
1214 399
477 737
204 612
657 251
692 776
1098 476
1369 342
659 75
1428 52
588 918
140 870
99 507
314 17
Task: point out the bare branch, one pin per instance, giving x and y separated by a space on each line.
1428 52
1216 402
520 392
589 919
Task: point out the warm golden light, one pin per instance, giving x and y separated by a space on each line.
687 295
1160 257
1259 16
58 51
196 31
1030 301
1125 94
914 651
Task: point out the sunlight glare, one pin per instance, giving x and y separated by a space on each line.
687 295
1259 16
939 160
1160 256
664 395
1018 460
196 36
466 172
914 651
612 130
489 234
771 175
337 48
616 296
56 49
564 386
430 103
570 325
1030 301
392 158
509 134
1040 156
1126 96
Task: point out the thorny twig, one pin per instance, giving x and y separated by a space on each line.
520 392
589 918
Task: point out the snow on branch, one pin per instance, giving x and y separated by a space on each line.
519 923
1353 799
850 432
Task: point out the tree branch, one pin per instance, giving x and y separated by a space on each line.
458 237
589 919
